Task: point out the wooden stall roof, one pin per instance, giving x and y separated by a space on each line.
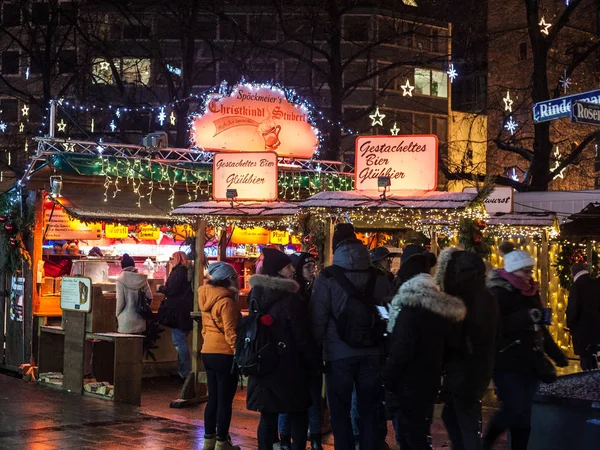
239 209
541 219
371 199
584 224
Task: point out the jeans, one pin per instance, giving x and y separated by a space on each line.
413 427
267 429
184 360
314 412
222 384
516 392
462 419
364 373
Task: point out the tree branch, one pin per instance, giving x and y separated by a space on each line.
562 21
574 154
521 151
497 179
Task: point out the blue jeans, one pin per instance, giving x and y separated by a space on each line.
184 359
314 412
364 373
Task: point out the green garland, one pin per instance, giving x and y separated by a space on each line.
568 255
15 230
471 238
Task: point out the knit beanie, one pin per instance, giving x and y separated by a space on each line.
221 271
411 250
300 259
127 261
577 267
517 260
343 232
274 261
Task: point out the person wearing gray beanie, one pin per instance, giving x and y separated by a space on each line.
221 271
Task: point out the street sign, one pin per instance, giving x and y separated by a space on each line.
582 112
561 107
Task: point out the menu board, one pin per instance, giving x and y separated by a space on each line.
76 294
61 226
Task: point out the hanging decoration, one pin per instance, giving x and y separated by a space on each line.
452 73
395 130
162 116
511 125
92 125
377 118
507 102
118 113
544 27
25 110
471 238
407 89
21 127
15 232
560 174
568 255
62 125
172 118
565 82
3 126
113 126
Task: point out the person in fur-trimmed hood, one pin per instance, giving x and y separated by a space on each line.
286 389
413 370
471 348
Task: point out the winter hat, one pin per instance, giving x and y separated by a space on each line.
506 247
221 271
343 232
411 250
417 264
300 259
516 260
379 253
274 261
95 251
127 261
577 267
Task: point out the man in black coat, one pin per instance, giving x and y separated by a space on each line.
583 315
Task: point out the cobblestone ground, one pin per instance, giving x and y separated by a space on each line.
41 418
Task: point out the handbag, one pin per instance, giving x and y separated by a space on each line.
167 316
543 367
142 306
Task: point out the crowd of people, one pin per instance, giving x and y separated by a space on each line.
389 346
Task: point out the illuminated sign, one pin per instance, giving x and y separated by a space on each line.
409 161
256 235
253 119
279 237
252 175
113 231
500 199
61 226
148 233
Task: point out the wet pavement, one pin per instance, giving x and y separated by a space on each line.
42 418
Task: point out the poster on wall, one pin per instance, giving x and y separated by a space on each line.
255 118
17 287
252 175
61 226
76 294
410 162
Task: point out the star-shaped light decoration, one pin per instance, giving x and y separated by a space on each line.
62 125
25 110
395 130
113 126
69 146
560 174
3 126
544 27
407 89
104 65
511 125
377 118
452 73
565 81
162 116
21 127
507 102
172 118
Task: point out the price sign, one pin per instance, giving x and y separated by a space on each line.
76 294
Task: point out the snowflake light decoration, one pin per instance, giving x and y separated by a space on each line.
118 113
452 73
511 125
113 126
162 116
377 118
565 82
407 89
395 130
3 126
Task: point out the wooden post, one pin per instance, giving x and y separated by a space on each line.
589 252
74 324
222 254
434 242
544 260
328 250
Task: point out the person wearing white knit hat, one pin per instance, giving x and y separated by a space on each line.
518 260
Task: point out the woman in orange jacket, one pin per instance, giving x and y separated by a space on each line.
220 316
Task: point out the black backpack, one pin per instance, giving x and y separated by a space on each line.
142 306
256 353
359 324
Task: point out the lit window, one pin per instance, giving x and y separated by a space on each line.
410 2
101 73
431 82
135 70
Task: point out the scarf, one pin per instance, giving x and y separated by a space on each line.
526 288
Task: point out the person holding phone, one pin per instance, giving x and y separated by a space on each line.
523 341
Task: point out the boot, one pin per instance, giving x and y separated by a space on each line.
315 442
491 435
285 443
209 443
226 445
